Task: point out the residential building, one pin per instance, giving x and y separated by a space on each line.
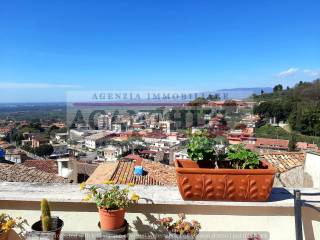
270 144
97 140
166 126
104 121
118 127
59 150
37 141
61 137
111 152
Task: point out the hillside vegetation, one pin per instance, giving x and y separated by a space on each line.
299 106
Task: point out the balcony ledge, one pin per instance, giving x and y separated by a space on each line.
70 193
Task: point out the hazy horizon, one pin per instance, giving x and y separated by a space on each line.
50 48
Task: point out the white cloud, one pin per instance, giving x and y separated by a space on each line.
312 72
15 85
289 72
300 73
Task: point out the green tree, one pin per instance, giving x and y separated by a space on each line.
198 102
292 143
278 88
44 150
213 97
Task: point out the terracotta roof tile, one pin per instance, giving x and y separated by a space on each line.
49 166
284 161
123 173
21 173
86 168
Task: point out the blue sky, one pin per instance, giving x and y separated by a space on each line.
48 48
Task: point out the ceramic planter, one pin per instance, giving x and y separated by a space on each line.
4 235
111 219
199 183
56 222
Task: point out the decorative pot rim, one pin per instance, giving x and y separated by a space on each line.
55 230
123 227
196 170
114 210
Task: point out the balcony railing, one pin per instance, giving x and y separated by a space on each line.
274 218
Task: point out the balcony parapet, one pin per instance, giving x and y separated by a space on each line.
275 217
70 193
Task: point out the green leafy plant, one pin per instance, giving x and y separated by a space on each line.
181 226
46 219
200 147
111 196
7 223
242 158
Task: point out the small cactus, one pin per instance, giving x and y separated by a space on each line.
45 222
45 215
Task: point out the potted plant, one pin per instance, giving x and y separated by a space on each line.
7 223
47 223
234 174
181 228
111 200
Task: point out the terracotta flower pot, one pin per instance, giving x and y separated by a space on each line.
111 219
4 235
196 183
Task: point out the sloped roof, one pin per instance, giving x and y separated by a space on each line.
284 161
102 173
22 173
86 168
272 143
49 166
122 172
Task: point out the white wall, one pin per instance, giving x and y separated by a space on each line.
312 170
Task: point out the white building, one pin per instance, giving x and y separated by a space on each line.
166 126
111 152
96 140
61 137
64 168
104 122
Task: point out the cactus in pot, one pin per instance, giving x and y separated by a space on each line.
48 223
45 215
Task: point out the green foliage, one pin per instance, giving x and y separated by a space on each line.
278 88
112 197
268 131
300 106
45 215
7 223
242 158
213 97
198 102
200 147
273 109
292 143
43 150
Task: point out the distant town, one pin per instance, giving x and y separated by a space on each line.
51 149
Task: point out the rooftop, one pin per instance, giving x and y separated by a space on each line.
284 161
122 172
49 166
22 173
97 136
